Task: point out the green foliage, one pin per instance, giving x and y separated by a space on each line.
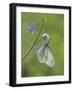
54 26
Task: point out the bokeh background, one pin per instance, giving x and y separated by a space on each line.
54 26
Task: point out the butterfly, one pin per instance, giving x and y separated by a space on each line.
45 56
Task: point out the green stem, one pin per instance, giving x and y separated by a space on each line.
32 45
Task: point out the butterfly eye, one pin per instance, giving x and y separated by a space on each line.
32 28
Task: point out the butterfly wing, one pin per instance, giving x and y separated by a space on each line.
40 55
45 56
50 60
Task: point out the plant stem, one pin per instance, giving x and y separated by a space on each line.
32 45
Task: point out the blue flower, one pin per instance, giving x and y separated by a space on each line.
32 28
45 36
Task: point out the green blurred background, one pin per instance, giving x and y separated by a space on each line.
54 26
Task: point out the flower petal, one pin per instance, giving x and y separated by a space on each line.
32 28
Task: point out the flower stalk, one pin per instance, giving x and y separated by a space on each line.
32 45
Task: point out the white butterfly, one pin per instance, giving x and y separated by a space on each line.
45 55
